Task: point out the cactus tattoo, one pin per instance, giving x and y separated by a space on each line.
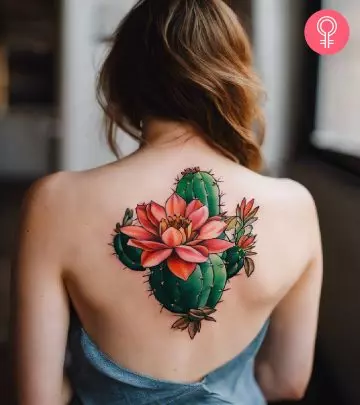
189 249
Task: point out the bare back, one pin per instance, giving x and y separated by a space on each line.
116 305
66 258
179 76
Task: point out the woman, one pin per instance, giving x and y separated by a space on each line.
162 273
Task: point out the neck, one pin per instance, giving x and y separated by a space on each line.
161 135
158 132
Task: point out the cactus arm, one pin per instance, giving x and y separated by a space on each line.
234 261
129 256
196 184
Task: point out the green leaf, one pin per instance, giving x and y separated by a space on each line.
231 223
239 233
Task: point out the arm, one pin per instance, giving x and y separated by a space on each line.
285 361
40 308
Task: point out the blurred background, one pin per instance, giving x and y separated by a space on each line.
50 52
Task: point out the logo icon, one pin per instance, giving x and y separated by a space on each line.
327 27
327 32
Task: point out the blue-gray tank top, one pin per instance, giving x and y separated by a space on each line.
97 380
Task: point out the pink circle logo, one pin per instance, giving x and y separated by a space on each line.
327 32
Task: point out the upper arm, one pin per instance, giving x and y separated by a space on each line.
289 347
40 309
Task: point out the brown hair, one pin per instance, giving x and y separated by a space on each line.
187 61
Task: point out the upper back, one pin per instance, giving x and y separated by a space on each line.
128 305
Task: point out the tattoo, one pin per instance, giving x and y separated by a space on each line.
189 249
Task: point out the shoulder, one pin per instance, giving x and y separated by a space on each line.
44 226
48 206
294 193
286 195
48 193
288 204
62 199
297 200
290 208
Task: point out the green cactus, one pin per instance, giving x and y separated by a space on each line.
129 256
196 184
194 299
234 259
204 287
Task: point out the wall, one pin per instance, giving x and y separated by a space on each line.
81 133
337 126
278 38
24 144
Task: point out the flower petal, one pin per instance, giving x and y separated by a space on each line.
175 205
199 217
193 206
216 218
151 259
191 254
150 216
144 220
212 229
157 211
202 250
246 241
194 235
242 208
137 232
248 207
242 240
194 242
163 226
147 245
184 237
180 268
217 245
172 237
189 231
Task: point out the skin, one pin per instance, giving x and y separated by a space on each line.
63 257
